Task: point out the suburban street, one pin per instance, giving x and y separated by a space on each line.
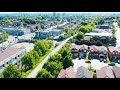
117 34
39 67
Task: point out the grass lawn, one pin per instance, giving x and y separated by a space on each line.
25 74
87 37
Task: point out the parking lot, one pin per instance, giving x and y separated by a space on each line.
28 46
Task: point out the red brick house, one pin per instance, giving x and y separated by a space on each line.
114 54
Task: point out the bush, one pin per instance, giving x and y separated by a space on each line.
43 73
12 72
53 67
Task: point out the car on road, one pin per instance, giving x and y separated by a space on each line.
112 64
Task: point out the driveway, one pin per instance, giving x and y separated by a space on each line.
96 64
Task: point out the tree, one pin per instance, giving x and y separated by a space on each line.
28 61
55 58
43 45
53 67
79 36
1 76
12 72
8 22
113 31
67 62
35 55
67 30
43 73
5 35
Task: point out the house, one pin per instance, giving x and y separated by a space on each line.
67 73
97 52
10 56
79 50
116 71
93 52
104 72
114 54
83 72
103 52
102 26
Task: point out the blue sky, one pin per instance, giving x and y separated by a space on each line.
62 12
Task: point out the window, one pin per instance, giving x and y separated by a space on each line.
7 62
3 65
18 55
15 57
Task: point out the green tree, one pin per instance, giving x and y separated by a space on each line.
5 35
55 58
113 31
28 61
1 76
43 45
79 36
43 73
8 22
53 67
67 62
12 72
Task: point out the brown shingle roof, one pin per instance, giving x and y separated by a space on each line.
8 52
67 73
104 72
116 71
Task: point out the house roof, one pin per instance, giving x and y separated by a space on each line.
104 72
79 47
98 34
94 48
102 48
83 72
111 48
116 71
8 52
67 73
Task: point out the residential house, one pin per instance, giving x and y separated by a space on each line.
97 52
116 71
79 50
93 52
83 72
67 73
114 54
104 72
10 56
103 52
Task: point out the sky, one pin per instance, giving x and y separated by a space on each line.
61 12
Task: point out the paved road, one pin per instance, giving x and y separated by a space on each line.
39 67
117 34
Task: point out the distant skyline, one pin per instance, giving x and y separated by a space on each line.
63 12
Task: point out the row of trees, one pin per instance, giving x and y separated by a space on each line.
57 62
30 59
4 36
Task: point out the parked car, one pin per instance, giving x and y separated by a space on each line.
112 64
118 61
88 61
